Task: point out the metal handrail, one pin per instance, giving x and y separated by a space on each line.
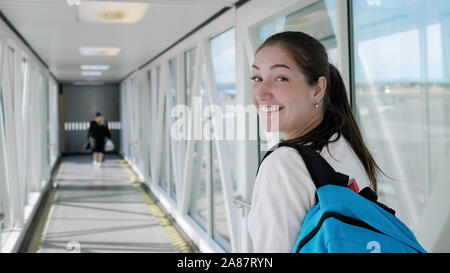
242 204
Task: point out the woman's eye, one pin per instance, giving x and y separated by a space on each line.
256 79
281 79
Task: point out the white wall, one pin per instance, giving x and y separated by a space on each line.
27 135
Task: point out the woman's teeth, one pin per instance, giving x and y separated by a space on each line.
270 109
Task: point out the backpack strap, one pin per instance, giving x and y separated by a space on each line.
320 170
323 174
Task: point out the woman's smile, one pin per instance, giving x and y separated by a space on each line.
269 109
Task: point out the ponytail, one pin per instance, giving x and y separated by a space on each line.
339 103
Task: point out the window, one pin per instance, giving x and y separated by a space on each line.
224 61
5 207
220 218
164 167
158 85
150 119
402 101
173 81
173 145
189 70
223 53
199 208
318 20
200 177
11 68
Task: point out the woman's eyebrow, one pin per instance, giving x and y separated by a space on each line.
279 65
273 66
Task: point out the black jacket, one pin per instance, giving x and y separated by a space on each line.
98 132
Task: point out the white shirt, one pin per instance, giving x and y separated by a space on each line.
284 193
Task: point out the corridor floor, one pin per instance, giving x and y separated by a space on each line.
98 210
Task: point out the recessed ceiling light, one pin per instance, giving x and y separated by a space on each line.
99 51
111 12
88 83
91 73
73 2
94 67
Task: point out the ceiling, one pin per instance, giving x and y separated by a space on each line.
52 30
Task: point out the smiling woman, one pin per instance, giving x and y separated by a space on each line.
306 94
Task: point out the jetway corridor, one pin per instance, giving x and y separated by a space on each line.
91 210
181 101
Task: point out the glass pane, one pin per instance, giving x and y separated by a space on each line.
3 183
402 99
199 200
318 20
224 62
172 170
173 80
220 225
172 148
200 174
5 207
11 68
173 151
158 84
189 68
164 152
223 54
150 141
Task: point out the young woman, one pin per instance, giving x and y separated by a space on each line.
99 132
295 83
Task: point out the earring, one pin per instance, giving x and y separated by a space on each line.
316 105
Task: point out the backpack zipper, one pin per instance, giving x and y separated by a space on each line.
345 219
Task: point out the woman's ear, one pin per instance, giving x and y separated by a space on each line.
319 89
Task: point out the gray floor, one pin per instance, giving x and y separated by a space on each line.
97 210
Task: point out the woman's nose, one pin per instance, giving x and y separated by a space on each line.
263 92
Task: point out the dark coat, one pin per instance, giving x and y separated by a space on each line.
99 133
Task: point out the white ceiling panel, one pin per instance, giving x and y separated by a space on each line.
52 29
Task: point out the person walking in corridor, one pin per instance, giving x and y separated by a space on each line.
98 131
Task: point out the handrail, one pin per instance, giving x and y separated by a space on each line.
242 204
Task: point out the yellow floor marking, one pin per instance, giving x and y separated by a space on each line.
178 242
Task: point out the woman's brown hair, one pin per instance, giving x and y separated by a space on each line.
312 60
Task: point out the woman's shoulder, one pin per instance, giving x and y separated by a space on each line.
283 162
281 155
343 159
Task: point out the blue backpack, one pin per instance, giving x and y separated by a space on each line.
343 221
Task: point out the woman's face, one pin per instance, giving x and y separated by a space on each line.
282 95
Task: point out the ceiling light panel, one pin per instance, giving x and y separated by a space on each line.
94 67
91 73
111 12
99 51
88 83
